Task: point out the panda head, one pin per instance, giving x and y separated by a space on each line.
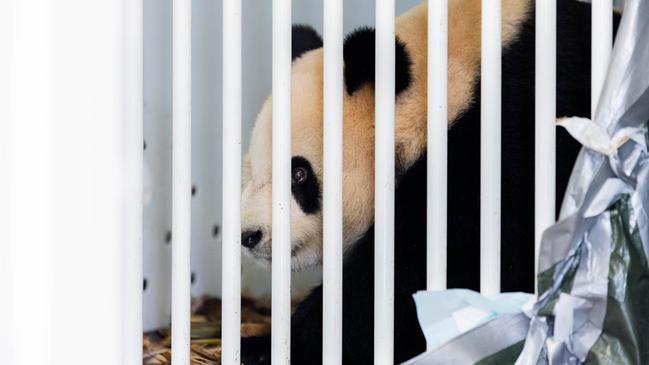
307 150
358 110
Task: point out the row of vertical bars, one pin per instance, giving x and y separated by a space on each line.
333 151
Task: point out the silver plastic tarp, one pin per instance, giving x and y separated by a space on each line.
593 272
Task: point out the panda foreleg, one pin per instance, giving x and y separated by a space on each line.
306 336
255 350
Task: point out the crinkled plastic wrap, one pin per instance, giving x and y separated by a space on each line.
594 276
446 314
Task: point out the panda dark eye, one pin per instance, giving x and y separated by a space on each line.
300 175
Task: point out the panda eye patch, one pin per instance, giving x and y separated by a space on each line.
304 185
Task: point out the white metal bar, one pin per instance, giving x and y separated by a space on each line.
490 148
437 143
333 183
545 130
281 150
601 47
181 200
384 185
231 244
133 93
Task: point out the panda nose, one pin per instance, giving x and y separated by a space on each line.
250 239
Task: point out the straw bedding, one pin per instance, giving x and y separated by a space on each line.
206 332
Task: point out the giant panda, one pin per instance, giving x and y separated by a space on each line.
518 36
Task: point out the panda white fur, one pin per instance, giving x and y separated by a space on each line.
410 132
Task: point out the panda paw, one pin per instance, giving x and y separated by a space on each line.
255 350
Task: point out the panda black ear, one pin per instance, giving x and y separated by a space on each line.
305 39
359 61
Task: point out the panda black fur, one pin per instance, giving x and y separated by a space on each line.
573 98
